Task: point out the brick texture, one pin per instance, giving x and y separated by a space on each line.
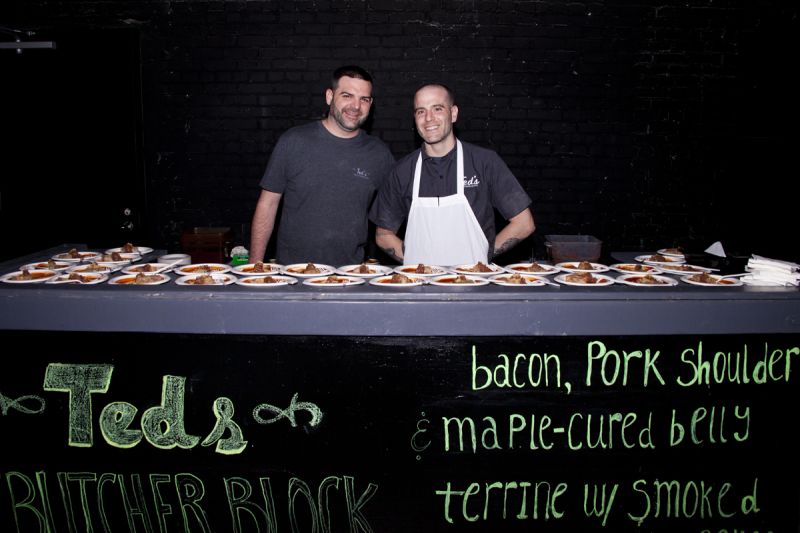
646 124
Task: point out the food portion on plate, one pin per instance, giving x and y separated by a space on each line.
206 279
139 279
75 256
334 280
582 266
458 279
147 268
131 249
397 280
29 276
630 268
710 280
647 280
308 270
266 281
50 264
517 280
257 269
202 268
421 270
580 279
478 269
659 259
79 279
673 252
683 269
93 267
533 268
364 270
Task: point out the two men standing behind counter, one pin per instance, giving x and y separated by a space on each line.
328 171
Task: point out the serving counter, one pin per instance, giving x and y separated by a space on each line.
379 409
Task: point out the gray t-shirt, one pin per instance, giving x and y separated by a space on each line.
328 184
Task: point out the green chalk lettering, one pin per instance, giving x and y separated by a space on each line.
515 495
163 425
80 381
41 511
299 487
750 502
134 503
613 365
223 411
64 480
532 370
191 491
106 477
460 422
115 419
355 515
239 491
162 509
324 502
601 507
474 488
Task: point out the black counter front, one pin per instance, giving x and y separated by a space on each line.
362 408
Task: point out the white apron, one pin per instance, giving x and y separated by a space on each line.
443 230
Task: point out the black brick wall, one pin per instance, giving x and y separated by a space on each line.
634 121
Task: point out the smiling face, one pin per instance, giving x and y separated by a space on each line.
434 115
349 103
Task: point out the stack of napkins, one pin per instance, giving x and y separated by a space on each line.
771 272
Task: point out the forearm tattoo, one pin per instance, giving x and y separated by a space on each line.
506 246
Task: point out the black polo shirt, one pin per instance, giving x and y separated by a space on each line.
488 185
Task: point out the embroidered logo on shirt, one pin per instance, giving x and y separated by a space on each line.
360 173
474 181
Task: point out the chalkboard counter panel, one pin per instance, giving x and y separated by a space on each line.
386 434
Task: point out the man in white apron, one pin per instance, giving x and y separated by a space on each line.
448 191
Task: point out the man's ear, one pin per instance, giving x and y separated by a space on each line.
454 112
329 96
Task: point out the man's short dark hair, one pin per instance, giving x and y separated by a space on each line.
351 71
450 94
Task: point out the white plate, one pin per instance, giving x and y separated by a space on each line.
385 281
604 281
321 281
43 265
202 268
628 268
84 256
40 276
727 282
127 279
130 257
664 281
522 268
84 269
668 260
296 270
448 281
219 279
465 269
141 250
247 270
92 278
673 269
251 281
374 270
572 266
409 270
672 252
530 280
135 269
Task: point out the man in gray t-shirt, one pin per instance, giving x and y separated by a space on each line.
327 173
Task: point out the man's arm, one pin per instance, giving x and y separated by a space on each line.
519 227
390 243
263 224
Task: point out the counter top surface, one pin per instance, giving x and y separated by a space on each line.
424 310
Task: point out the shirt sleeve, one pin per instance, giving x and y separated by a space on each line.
275 176
390 208
507 195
